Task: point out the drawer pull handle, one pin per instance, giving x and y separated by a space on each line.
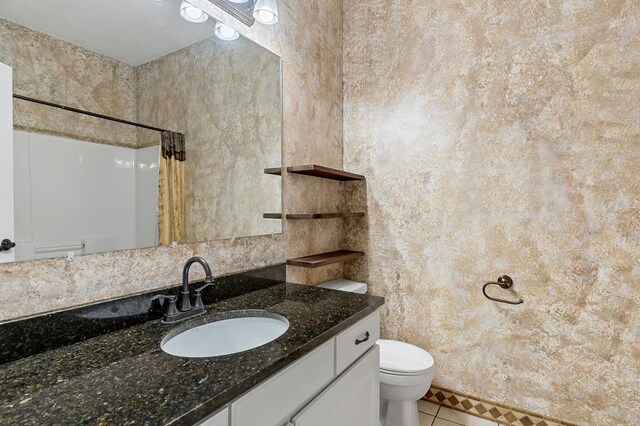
366 337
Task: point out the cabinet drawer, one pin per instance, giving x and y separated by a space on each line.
352 343
274 402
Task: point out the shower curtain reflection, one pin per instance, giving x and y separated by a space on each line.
171 205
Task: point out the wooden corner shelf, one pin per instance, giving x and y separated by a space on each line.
324 172
323 215
324 259
299 216
272 215
276 171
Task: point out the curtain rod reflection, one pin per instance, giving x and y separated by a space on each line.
89 113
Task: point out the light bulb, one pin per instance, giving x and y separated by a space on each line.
227 32
265 15
266 12
224 32
191 13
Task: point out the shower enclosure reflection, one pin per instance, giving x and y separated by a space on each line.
166 139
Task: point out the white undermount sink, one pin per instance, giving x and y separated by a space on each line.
226 336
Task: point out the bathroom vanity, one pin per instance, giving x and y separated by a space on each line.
335 384
103 364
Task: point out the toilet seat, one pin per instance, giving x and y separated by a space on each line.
405 380
403 359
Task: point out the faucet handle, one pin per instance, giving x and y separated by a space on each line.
172 309
198 303
207 283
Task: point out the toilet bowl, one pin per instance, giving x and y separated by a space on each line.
406 372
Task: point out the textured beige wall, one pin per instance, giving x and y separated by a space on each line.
54 70
226 98
503 137
309 40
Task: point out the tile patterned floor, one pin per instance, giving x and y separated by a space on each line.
437 415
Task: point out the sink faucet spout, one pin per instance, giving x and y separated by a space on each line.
184 302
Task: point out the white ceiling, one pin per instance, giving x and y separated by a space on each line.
132 31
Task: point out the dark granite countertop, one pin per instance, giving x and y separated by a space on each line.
123 377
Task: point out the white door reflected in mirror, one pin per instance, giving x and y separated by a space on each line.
6 162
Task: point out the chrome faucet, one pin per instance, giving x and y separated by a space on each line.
184 309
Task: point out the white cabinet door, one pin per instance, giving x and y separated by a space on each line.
6 160
352 400
274 402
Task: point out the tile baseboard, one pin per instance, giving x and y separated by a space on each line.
489 410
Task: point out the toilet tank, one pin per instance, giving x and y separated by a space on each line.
345 285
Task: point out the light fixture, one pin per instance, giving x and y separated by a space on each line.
224 32
191 13
266 12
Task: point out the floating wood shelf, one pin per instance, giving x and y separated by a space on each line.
324 215
272 215
324 172
276 171
323 259
298 216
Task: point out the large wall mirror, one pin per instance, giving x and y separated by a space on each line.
168 136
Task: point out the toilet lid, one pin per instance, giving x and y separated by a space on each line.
403 359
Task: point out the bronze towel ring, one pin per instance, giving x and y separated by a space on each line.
504 281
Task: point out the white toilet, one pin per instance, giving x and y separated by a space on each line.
406 372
